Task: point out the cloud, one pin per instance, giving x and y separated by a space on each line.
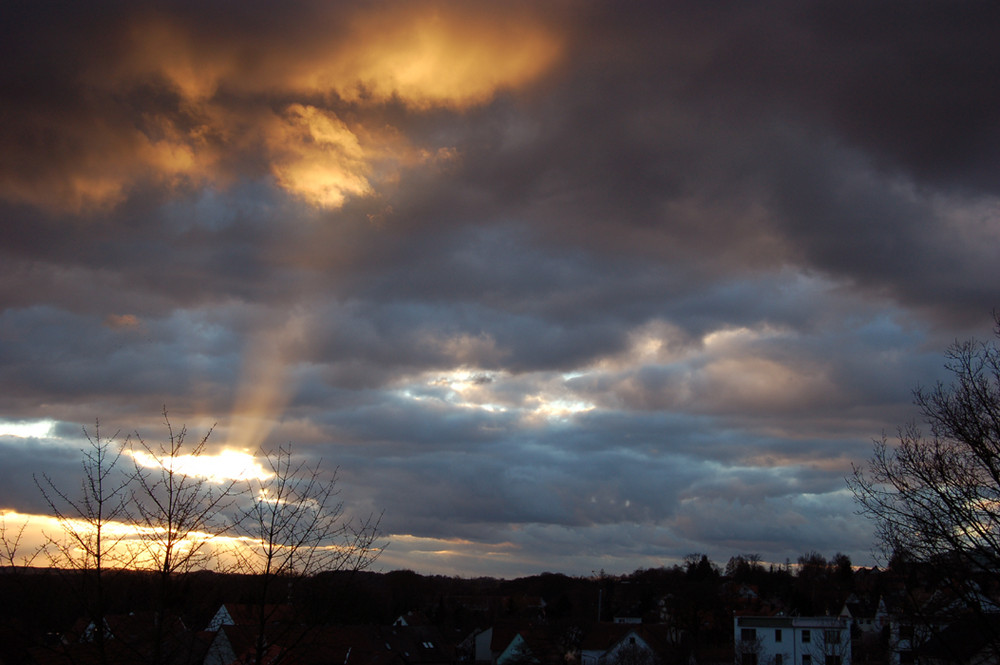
323 161
123 321
559 287
165 103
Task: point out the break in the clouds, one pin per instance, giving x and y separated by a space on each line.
559 286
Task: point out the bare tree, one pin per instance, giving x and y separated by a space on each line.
175 513
939 495
91 541
744 567
934 496
296 527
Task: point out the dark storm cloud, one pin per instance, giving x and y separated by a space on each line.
631 282
906 82
726 148
21 466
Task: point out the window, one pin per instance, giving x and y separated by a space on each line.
831 636
832 660
807 659
748 634
777 634
748 659
778 658
806 637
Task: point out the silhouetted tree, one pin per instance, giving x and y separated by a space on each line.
294 528
744 567
934 494
92 540
843 570
175 514
700 568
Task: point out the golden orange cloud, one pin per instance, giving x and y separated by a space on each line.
317 157
96 160
427 55
437 55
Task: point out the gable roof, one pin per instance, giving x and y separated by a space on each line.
245 614
539 645
605 637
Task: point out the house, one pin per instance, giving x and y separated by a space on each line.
241 614
412 618
302 644
910 629
531 646
348 645
501 636
129 639
230 643
418 645
337 645
605 644
480 647
236 629
317 645
863 614
792 640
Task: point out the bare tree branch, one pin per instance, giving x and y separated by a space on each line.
296 527
90 541
934 495
11 553
175 514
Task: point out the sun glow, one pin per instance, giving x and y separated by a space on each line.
559 408
46 539
227 465
26 429
535 398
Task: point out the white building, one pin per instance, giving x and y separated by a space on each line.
782 640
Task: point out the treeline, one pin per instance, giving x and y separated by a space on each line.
697 596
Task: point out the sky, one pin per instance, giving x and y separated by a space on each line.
558 286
